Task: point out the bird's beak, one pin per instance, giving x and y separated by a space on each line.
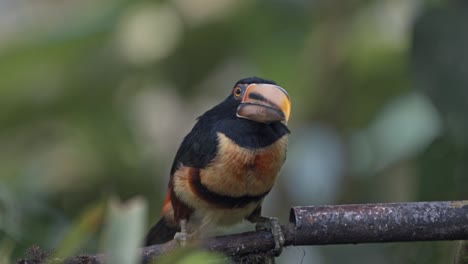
265 103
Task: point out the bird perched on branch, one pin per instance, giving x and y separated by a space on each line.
227 164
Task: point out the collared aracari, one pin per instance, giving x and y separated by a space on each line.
227 164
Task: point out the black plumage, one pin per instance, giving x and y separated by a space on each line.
200 147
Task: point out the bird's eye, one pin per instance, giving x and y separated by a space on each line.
237 92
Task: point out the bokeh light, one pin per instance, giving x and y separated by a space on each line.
96 96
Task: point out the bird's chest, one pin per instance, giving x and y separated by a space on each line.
238 171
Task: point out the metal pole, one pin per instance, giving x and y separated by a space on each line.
370 223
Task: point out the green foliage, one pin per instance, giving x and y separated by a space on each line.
95 97
191 255
124 231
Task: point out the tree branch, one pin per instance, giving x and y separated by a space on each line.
336 224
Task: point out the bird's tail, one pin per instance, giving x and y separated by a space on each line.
161 232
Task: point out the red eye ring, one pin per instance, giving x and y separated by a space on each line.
237 92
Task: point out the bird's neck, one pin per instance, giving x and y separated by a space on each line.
252 135
245 133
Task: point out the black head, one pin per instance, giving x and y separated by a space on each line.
253 115
261 100
250 80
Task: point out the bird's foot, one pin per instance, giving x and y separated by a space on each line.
182 237
272 223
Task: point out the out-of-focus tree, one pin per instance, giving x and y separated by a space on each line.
95 97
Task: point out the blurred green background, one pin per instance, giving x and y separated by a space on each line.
95 97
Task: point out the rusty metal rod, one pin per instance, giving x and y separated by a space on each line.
334 224
373 223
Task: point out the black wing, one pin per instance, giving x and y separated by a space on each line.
198 148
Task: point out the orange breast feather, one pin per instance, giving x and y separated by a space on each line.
237 171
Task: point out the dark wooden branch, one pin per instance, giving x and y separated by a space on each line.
338 224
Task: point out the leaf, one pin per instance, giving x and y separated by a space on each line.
124 231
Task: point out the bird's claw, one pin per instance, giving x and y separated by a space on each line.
181 238
272 223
